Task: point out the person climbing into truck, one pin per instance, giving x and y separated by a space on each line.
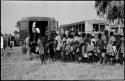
35 33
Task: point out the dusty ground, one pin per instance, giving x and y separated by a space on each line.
14 66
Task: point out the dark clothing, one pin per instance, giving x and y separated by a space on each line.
11 38
100 43
34 37
58 54
5 44
105 38
35 34
52 53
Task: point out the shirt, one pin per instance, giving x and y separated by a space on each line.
112 38
68 40
34 30
38 30
64 39
40 48
103 37
101 44
93 40
81 40
27 41
2 42
109 48
11 38
75 38
90 47
58 38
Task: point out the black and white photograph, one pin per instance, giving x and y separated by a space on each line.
62 40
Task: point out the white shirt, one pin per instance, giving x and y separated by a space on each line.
68 40
64 39
58 38
93 40
38 30
75 38
1 42
71 40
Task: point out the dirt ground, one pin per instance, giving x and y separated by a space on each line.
15 66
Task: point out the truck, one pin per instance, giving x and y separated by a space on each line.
47 25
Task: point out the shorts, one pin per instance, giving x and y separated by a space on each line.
12 42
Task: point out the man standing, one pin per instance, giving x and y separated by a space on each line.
2 42
105 37
11 41
58 39
35 33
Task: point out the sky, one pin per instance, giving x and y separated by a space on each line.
64 12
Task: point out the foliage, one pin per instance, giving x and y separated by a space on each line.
111 10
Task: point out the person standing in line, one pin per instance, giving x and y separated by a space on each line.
58 39
105 37
113 41
101 48
112 38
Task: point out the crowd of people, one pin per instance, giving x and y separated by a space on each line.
78 47
82 47
73 46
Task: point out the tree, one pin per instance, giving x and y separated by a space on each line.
111 10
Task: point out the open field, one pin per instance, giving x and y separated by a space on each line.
14 66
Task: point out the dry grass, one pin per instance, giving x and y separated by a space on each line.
16 67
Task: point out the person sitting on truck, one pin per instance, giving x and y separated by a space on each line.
35 33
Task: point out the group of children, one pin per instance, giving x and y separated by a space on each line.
87 47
